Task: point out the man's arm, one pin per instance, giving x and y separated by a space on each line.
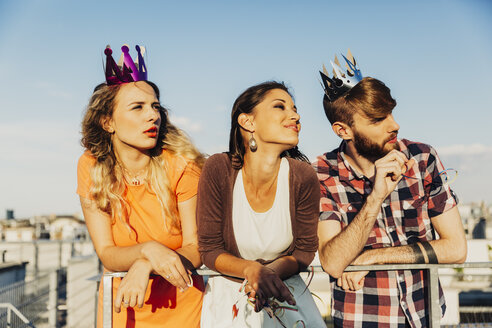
449 248
337 247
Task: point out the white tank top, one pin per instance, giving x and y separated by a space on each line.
263 235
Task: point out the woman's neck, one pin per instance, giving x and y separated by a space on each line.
132 159
261 168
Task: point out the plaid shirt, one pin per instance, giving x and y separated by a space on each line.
388 298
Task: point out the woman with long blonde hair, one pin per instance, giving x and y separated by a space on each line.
137 182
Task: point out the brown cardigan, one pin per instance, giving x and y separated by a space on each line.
214 210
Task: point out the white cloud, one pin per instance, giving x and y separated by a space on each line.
472 149
186 124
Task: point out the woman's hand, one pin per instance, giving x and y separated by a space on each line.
264 283
131 291
167 263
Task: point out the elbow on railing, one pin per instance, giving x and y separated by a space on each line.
457 252
461 254
332 268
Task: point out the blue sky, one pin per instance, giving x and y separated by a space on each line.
434 55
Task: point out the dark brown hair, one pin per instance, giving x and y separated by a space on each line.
245 103
370 97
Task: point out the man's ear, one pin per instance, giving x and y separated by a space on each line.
107 124
342 130
246 122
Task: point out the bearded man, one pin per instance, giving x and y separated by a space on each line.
383 200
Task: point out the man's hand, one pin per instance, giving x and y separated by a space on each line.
352 280
388 172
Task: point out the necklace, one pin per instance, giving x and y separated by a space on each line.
134 179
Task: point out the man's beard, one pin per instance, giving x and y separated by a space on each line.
371 150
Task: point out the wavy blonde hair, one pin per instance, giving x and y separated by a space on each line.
108 189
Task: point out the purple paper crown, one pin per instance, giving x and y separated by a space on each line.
126 70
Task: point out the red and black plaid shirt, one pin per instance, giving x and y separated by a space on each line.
388 298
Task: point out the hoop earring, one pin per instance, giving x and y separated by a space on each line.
253 146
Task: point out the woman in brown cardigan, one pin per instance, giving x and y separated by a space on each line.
257 217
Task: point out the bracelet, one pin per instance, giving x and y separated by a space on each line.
417 252
431 255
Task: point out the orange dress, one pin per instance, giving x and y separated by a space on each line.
164 305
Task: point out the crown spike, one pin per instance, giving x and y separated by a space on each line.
142 69
352 69
338 64
337 70
325 70
113 73
326 81
128 63
350 57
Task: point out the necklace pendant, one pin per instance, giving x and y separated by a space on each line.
135 181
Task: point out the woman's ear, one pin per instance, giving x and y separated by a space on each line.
342 130
246 122
107 124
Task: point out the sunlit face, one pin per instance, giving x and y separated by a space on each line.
276 120
136 118
374 139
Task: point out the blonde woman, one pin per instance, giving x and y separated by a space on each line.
137 182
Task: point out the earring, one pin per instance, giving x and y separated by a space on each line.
253 146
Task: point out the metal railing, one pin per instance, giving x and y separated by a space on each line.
35 301
81 301
12 321
44 255
431 271
41 300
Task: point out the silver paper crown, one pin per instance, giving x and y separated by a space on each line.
342 80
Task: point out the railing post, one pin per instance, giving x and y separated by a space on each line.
53 299
36 258
433 297
107 301
60 249
72 249
9 317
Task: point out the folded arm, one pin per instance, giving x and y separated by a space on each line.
449 248
337 247
164 261
98 223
